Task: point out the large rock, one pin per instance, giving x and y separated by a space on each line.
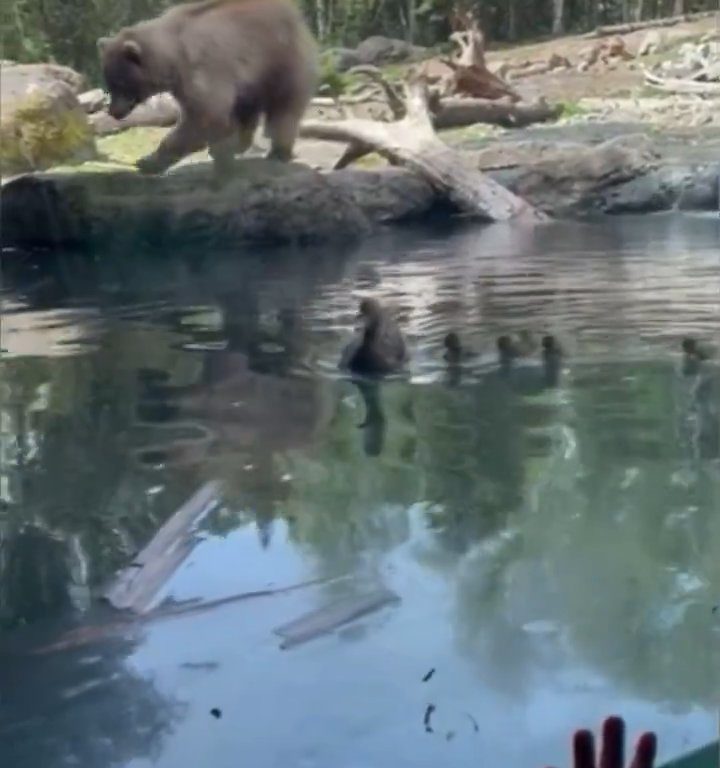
571 179
41 120
388 195
265 202
701 189
342 59
93 101
16 78
379 50
279 203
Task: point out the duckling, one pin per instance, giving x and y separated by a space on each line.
380 348
693 356
552 354
532 375
455 353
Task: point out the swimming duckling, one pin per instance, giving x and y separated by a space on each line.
380 348
455 353
552 354
693 356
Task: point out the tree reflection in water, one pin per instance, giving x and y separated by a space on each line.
575 525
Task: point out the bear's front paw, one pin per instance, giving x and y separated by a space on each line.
151 165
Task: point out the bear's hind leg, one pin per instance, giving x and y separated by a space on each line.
189 135
223 156
246 132
281 128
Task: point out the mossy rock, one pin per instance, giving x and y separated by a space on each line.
43 127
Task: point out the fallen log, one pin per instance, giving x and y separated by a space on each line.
451 112
681 85
457 113
158 111
634 26
412 142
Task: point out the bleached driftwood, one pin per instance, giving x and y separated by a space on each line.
682 85
412 142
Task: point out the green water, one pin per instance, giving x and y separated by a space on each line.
556 550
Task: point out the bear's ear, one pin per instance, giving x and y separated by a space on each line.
132 51
103 43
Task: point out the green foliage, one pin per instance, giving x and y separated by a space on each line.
66 31
572 109
332 81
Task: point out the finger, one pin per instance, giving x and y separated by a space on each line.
612 747
645 751
583 750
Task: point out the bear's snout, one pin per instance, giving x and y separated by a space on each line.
120 108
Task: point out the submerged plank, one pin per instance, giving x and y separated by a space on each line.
136 587
328 618
92 633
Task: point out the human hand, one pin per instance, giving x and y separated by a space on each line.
612 748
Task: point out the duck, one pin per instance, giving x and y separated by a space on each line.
380 348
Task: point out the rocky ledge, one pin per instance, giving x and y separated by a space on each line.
268 202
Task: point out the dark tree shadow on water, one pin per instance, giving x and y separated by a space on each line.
80 707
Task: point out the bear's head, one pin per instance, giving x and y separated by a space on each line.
126 73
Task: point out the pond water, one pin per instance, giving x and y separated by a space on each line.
554 549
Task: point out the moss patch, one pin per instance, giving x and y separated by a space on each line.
39 132
127 147
573 109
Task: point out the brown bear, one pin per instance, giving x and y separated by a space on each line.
226 62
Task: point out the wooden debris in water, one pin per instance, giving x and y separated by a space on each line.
136 587
325 620
474 722
94 632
